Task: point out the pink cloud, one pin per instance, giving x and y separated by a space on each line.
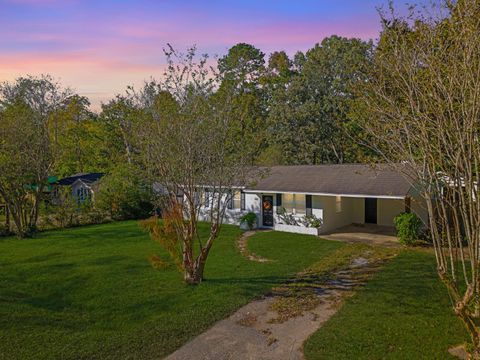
101 55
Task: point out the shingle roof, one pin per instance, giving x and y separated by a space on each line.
345 179
87 178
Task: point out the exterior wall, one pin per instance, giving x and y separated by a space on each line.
387 209
232 216
78 185
352 211
333 219
358 212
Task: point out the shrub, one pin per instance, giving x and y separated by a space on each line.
64 211
165 234
124 194
286 218
408 227
250 219
312 221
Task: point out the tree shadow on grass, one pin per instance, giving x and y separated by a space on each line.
43 258
50 298
108 260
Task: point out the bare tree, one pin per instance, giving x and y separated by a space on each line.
26 112
421 110
189 146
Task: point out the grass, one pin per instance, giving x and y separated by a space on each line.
300 296
90 292
402 313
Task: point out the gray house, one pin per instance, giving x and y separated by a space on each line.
83 185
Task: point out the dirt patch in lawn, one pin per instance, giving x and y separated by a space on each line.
276 326
459 352
242 245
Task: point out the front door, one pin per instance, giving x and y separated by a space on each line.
267 210
370 210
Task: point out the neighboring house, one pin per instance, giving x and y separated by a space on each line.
83 186
338 195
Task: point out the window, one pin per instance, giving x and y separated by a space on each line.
229 198
237 200
196 198
300 204
242 201
289 203
179 196
294 204
83 194
308 204
338 204
279 203
207 198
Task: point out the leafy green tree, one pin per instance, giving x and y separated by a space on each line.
125 194
26 156
77 138
279 71
242 67
308 117
118 117
242 71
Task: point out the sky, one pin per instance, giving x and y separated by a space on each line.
99 47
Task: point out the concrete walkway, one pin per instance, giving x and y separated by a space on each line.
365 234
255 333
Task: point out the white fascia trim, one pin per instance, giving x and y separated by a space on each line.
223 187
326 194
80 181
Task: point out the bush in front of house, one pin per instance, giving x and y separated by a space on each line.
311 221
408 226
124 194
250 219
67 212
286 218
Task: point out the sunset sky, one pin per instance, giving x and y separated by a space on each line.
98 47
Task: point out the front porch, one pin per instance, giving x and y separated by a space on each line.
364 233
293 212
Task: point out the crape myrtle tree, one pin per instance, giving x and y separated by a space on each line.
190 148
421 110
27 109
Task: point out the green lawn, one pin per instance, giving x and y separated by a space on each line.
402 313
90 292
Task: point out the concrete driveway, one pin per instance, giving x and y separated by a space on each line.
366 234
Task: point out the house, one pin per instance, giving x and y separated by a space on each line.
83 185
337 195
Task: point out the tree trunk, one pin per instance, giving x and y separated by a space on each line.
7 220
194 275
17 219
32 225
